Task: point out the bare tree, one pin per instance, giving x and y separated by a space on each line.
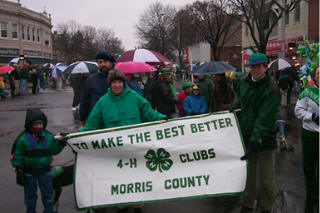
75 43
261 17
155 28
211 21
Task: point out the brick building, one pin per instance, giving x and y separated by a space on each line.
24 32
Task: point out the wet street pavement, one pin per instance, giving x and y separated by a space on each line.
57 106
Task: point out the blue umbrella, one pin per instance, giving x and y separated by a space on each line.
58 70
81 67
212 67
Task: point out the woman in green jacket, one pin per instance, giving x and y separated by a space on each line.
120 106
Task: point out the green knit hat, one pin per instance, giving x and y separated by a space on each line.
186 84
257 58
165 71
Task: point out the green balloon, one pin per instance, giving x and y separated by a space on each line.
56 171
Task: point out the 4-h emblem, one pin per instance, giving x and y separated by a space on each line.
158 160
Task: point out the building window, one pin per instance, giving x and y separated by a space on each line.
38 35
14 30
286 17
297 13
47 39
4 29
33 34
22 32
28 33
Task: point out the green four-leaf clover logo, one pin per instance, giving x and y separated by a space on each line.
158 160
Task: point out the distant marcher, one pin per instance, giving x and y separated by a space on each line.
195 104
285 82
24 76
165 101
149 88
76 82
223 94
186 86
307 110
96 85
206 89
135 83
33 76
3 80
31 156
258 97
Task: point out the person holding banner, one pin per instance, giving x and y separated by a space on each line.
258 97
195 104
121 106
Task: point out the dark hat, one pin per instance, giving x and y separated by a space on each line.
165 71
32 117
116 75
257 58
105 56
195 87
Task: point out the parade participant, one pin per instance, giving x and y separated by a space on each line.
258 97
206 89
149 88
307 110
96 85
121 106
33 76
24 75
186 86
31 156
165 101
223 94
76 82
195 104
120 98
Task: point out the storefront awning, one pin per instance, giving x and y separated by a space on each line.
274 47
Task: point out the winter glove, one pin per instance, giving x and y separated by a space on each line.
166 118
20 176
252 147
315 118
63 139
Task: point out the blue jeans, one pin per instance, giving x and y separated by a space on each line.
30 192
23 86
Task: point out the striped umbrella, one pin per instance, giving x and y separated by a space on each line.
146 56
81 67
280 64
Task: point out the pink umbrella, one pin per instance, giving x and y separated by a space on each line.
143 55
6 69
134 67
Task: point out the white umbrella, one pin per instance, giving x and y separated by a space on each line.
82 67
58 70
13 61
280 63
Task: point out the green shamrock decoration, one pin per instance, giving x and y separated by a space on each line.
158 160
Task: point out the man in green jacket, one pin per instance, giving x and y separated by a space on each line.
206 90
258 97
31 155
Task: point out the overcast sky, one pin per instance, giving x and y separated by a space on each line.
119 15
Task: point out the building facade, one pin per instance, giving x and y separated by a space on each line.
24 33
301 23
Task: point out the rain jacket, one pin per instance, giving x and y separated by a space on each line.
259 102
150 91
164 99
195 104
126 109
31 155
94 87
307 104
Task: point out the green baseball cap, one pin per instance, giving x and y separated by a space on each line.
257 58
186 84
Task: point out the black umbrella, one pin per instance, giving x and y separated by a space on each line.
212 67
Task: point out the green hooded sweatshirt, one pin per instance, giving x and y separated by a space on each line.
125 109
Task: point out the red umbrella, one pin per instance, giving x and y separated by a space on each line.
134 67
6 69
146 56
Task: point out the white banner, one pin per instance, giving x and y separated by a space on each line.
181 158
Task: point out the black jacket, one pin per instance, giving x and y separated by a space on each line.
165 101
95 86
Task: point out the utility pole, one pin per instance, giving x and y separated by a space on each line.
282 53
